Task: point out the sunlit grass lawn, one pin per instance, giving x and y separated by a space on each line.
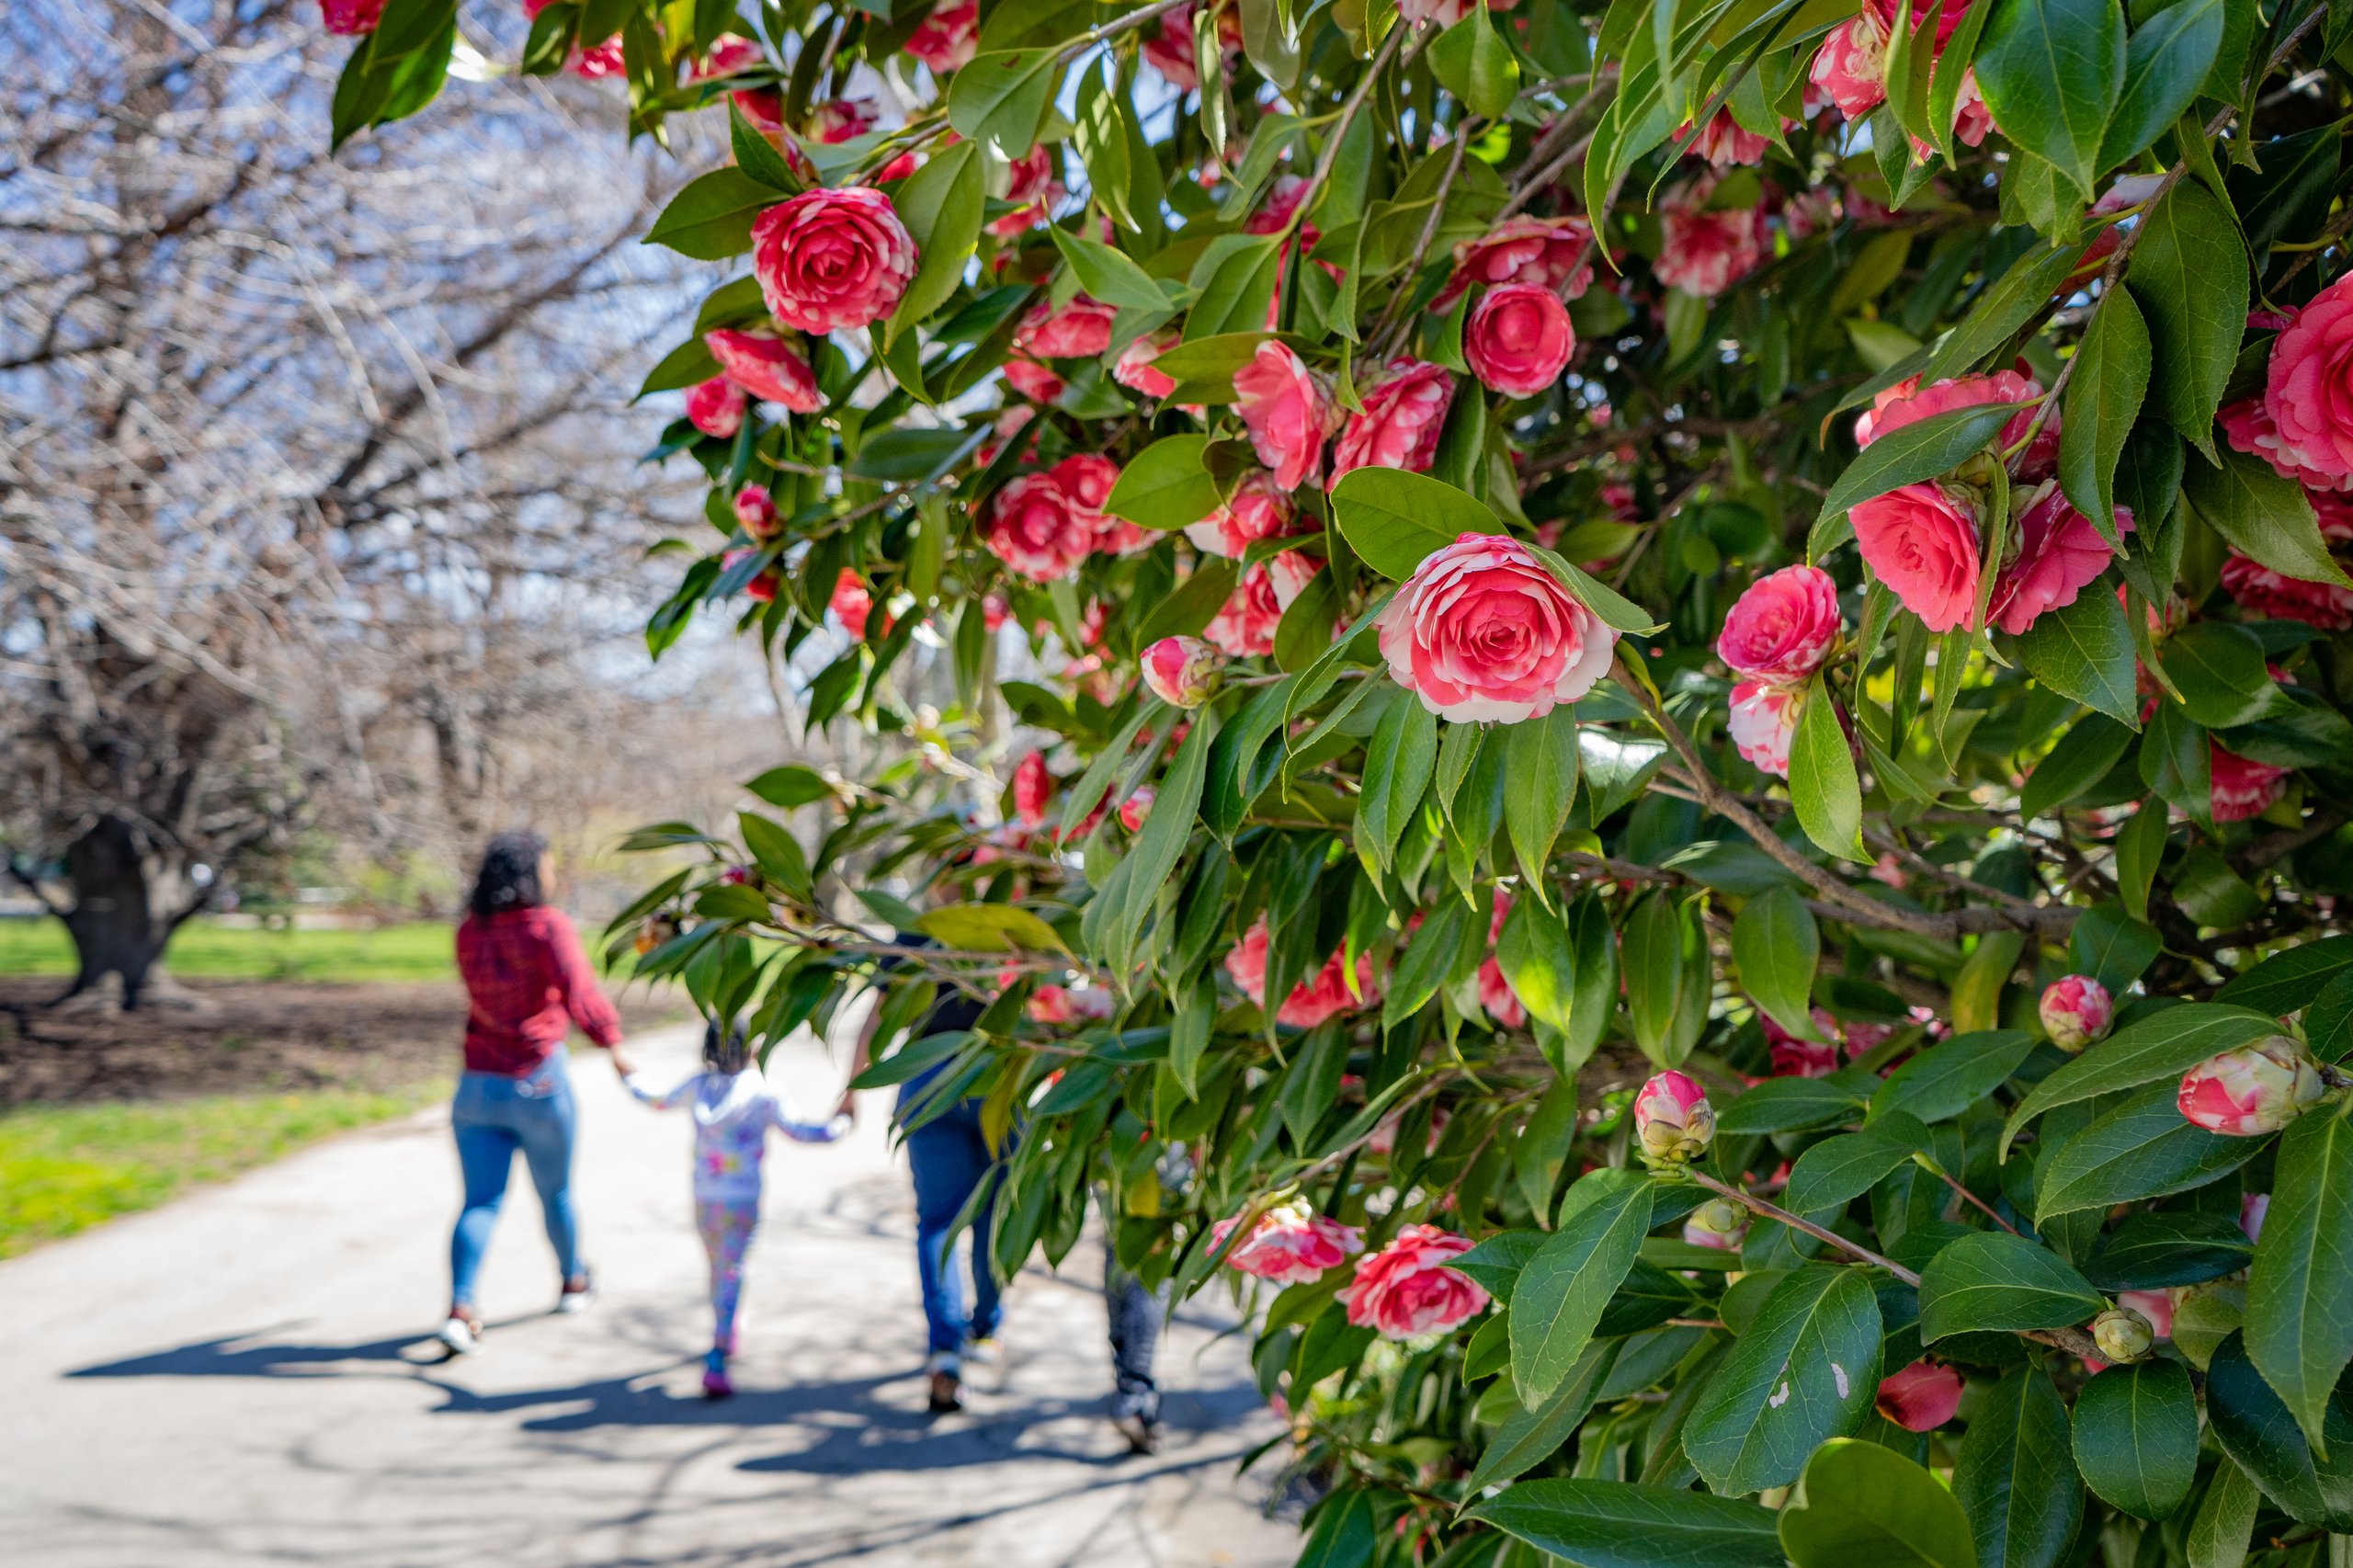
420 949
64 1168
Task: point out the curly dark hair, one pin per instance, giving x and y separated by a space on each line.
509 878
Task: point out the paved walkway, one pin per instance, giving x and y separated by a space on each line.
237 1379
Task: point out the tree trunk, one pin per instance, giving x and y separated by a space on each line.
129 897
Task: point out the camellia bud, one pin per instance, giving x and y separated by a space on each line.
1920 1397
1718 1223
2253 1090
2122 1335
1181 671
2075 1012
1674 1119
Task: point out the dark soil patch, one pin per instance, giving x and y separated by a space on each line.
249 1038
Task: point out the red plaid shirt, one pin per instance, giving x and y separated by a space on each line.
527 982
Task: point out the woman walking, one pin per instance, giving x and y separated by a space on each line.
527 982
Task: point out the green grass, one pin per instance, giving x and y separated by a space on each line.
64 1168
419 950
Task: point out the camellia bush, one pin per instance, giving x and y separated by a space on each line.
1680 791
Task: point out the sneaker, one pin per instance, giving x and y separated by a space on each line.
947 1389
1142 1433
578 1292
986 1350
461 1334
715 1383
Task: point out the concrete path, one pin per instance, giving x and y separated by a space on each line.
236 1380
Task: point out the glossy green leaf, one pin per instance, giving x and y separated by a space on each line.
2136 1438
2111 946
2189 278
1804 1372
2051 72
2299 1293
1165 486
2140 1149
1995 1281
1836 1171
2260 1436
1563 1289
1476 64
1944 1080
1107 274
1536 1433
2164 64
1398 761
1616 1524
1236 280
2016 1476
1000 97
1777 946
710 219
2104 394
2163 1045
2219 671
1822 783
1926 449
1540 786
1862 1503
943 201
1792 1105
1394 520
2289 981
2084 650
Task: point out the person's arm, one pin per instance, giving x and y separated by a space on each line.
584 999
661 1099
808 1131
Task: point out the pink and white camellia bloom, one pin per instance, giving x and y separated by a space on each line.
1033 528
756 512
1080 329
2239 787
351 18
2075 1011
1762 721
948 38
1034 191
2250 430
1482 631
1908 402
1086 478
2060 553
1181 671
1552 253
1406 1291
1724 142
1703 251
1517 339
2155 1305
2308 390
1134 368
1291 1244
716 407
1672 1120
1136 807
1244 625
2327 606
1033 786
1260 509
1290 572
1852 69
1784 627
1920 1397
1288 412
767 366
1037 382
2253 1090
1921 540
1795 1058
1496 995
852 603
828 259
1404 411
1324 994
842 120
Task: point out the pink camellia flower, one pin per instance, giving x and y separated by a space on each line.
1724 144
1852 69
1673 1119
730 52
768 368
1406 1290
2253 1208
1060 1005
1399 427
1034 191
351 18
2240 787
1703 251
1482 631
1032 528
832 259
1718 1223
2059 553
1907 402
1762 722
1795 1058
1550 252
2155 1305
1086 478
1496 995
762 587
1517 339
1277 207
1244 625
842 120
2253 1090
851 603
1181 671
1291 1244
1037 382
948 37
1783 626
1134 368
1260 509
2075 1011
1288 411
2309 390
1290 572
1032 787
1136 807
1446 13
2249 427
1322 995
756 512
1170 50
1921 540
2328 606
1081 329
716 407
603 60
1921 1397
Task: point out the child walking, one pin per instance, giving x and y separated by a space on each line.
733 1110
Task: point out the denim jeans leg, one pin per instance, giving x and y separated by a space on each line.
485 1153
945 1175
1136 1316
547 1126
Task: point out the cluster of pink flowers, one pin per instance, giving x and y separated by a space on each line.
1777 634
1483 630
1322 996
1244 625
1406 1291
1044 524
1291 1244
1850 72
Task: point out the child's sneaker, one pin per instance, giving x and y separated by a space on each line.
578 1292
461 1334
715 1383
986 1350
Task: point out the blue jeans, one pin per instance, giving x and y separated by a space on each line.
950 1159
1136 1316
493 1115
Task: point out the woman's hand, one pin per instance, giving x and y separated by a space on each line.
622 1065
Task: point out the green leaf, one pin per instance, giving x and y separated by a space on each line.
1822 783
1616 1524
1423 967
2262 515
1563 1289
2290 979
1804 1370
1617 612
710 219
757 158
1346 1529
1540 786
1944 1081
1193 605
991 928
2104 395
941 204
2141 1148
2300 1292
1993 1281
776 851
1000 97
1535 1435
1109 275
1394 520
1235 278
1836 1171
1863 1504
2189 276
2051 72
1397 767
2016 1477
1476 64
790 787
2256 1431
1165 486
1653 939
2225 1520
1792 1105
2022 292
2083 757
1777 946
2140 844
2084 650
2136 1438
2112 947
1923 449
2153 1252
2163 1045
2221 672
1118 911
2164 64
